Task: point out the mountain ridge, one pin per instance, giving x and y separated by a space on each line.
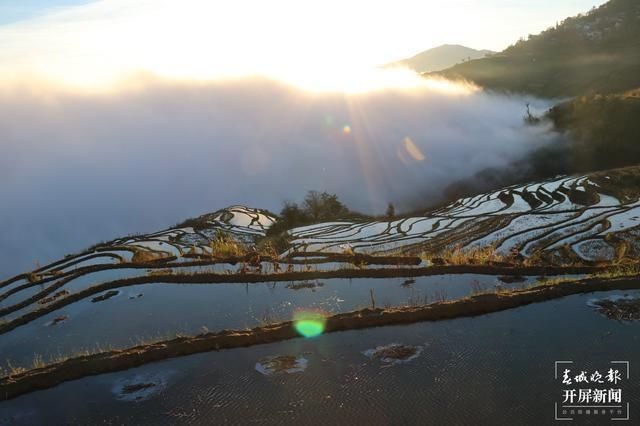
595 52
439 58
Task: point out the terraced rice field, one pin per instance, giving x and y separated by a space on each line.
338 378
562 218
141 289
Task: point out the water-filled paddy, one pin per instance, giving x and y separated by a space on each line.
159 310
492 369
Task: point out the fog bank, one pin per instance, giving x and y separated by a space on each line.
77 168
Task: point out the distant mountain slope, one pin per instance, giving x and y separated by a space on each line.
441 57
598 52
604 129
598 132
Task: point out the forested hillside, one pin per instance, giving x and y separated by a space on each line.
594 53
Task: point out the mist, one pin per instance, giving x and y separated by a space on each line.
78 167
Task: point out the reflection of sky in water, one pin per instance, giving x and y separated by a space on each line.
77 169
489 369
165 309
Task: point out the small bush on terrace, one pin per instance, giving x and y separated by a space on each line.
225 245
316 207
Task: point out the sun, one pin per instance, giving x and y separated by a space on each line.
315 47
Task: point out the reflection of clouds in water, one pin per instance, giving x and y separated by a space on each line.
79 168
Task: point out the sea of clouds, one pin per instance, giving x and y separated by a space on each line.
80 167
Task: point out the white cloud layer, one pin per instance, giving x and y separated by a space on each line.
77 168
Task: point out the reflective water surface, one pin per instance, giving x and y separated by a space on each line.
160 310
493 369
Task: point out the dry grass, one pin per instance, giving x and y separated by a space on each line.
228 247
440 295
553 281
415 300
477 287
267 249
39 362
143 256
267 318
33 277
619 271
11 370
463 256
535 259
176 271
156 272
622 249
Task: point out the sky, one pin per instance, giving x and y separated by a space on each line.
92 43
13 11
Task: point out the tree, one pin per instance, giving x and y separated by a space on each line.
323 206
291 213
530 118
316 207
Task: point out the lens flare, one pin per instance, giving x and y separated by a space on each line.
346 129
412 149
309 323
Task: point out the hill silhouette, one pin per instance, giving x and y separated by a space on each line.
596 52
441 57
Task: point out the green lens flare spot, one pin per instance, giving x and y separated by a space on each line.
309 328
309 324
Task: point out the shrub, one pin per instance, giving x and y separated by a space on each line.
225 245
316 207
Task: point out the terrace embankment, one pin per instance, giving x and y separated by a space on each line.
117 360
217 278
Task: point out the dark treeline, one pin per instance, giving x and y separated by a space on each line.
595 52
599 132
315 208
